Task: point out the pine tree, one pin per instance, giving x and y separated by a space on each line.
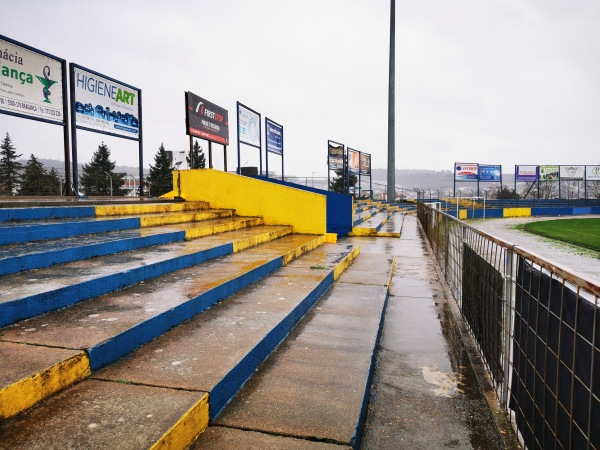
198 155
10 169
161 174
37 181
95 178
337 185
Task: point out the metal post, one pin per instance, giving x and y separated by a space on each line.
210 164
141 144
66 130
391 169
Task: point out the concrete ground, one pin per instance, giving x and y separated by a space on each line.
425 394
579 260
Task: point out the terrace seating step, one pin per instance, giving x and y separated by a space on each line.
167 386
27 256
371 226
28 294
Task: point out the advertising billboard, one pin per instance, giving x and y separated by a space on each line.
592 173
336 155
365 163
572 172
549 173
490 173
526 173
31 83
248 126
206 120
274 137
105 105
353 160
466 171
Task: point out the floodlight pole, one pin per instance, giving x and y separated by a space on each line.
391 169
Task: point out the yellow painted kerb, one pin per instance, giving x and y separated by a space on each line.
276 204
345 262
25 393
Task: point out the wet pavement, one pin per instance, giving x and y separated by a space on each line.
425 393
579 260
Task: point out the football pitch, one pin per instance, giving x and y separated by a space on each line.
583 232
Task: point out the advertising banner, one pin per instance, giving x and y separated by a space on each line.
592 173
274 137
549 173
336 156
490 173
526 173
206 120
572 172
365 163
31 83
105 105
353 160
466 171
249 126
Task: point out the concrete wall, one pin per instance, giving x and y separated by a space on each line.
276 204
339 207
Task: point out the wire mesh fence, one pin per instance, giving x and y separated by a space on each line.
536 326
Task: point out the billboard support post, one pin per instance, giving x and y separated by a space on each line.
141 145
210 164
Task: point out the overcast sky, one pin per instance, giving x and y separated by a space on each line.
493 81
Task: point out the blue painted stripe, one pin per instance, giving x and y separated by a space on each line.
231 383
127 341
21 263
31 233
37 304
44 213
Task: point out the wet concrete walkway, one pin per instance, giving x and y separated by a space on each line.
425 394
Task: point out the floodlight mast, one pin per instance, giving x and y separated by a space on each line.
391 167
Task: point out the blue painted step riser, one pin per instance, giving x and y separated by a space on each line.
31 233
40 260
124 343
226 389
43 213
35 305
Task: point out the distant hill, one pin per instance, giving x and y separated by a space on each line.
59 166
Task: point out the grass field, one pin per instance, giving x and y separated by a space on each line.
583 232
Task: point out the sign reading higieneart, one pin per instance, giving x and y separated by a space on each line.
31 82
248 126
526 173
466 171
274 137
365 163
572 172
105 105
335 156
490 173
206 120
353 160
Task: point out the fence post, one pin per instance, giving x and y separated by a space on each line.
509 292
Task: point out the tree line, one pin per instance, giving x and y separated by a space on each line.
98 177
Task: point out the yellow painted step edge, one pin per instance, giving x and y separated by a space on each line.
392 270
305 248
243 244
128 210
25 393
222 228
345 262
169 219
187 429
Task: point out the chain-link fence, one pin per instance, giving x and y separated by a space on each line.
536 325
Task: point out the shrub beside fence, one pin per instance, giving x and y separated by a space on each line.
536 326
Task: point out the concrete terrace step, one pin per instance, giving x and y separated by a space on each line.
166 388
371 226
393 227
363 216
15 258
32 293
18 232
316 386
110 326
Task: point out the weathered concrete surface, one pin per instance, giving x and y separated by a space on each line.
313 386
222 438
425 394
99 415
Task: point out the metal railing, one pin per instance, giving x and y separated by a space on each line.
536 326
